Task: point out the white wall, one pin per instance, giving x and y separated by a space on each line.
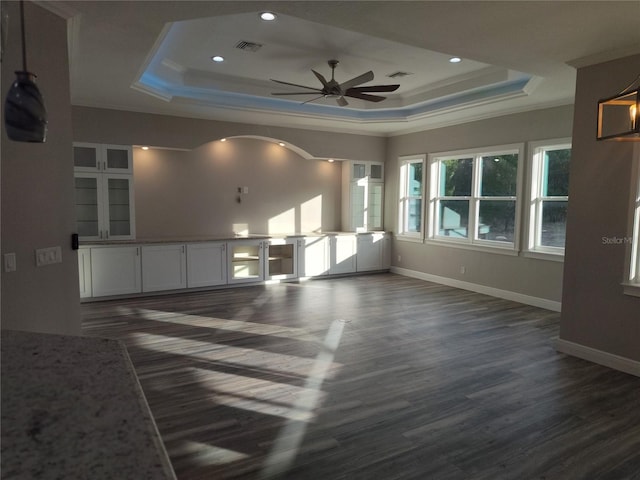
540 279
37 185
595 311
194 193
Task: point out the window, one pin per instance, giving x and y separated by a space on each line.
410 204
632 286
549 196
473 197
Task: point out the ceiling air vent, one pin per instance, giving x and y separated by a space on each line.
399 74
248 46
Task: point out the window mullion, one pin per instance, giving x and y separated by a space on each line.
476 191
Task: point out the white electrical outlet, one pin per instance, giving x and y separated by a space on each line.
48 256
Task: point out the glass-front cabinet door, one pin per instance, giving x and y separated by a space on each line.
117 158
88 191
95 157
119 205
104 206
103 176
245 261
86 157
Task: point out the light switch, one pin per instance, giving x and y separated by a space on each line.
9 262
47 256
245 189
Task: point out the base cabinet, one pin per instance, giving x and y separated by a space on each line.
281 259
245 261
164 267
206 264
373 252
109 270
313 256
115 270
342 254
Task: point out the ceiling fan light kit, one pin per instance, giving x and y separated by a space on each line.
333 89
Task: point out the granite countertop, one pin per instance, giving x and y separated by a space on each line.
72 407
220 238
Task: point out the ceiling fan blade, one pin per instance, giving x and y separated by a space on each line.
321 78
376 88
342 101
312 100
363 96
296 85
296 93
364 78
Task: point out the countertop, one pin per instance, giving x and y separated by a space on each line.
214 238
72 407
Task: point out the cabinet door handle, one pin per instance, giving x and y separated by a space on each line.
137 251
183 249
224 247
106 234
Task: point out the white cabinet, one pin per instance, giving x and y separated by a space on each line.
103 191
313 256
373 252
115 270
363 186
281 259
206 264
342 254
164 267
104 206
95 157
245 261
84 272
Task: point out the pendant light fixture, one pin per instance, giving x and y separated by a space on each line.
619 116
25 116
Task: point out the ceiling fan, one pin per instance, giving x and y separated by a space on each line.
333 89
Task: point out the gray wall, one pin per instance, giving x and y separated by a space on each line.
527 276
191 194
595 312
37 185
130 128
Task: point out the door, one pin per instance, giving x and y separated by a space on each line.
206 264
245 261
118 207
164 267
281 259
115 270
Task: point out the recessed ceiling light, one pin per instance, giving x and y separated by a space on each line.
331 160
145 148
281 144
223 139
217 58
268 16
455 60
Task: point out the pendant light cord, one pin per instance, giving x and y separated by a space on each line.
24 48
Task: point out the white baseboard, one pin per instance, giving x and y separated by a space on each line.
474 287
598 356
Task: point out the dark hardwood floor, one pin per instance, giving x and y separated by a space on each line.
373 377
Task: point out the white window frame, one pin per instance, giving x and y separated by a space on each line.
632 280
404 199
536 199
472 242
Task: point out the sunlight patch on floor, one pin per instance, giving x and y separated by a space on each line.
221 323
290 437
203 454
210 351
